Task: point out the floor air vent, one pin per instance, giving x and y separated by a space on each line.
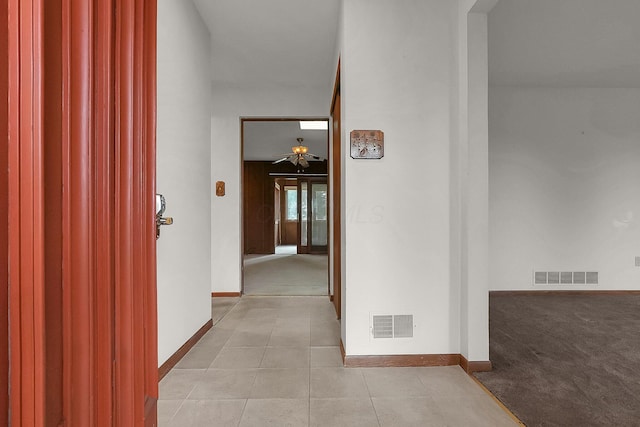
565 278
388 326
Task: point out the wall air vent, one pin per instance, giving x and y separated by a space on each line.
403 326
565 277
541 278
592 277
383 326
392 326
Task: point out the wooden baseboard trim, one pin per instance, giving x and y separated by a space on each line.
331 298
407 360
182 351
561 292
398 360
474 366
402 360
224 294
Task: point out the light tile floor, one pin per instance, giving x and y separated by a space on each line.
275 361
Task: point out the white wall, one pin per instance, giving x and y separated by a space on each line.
564 184
398 75
395 77
231 102
469 179
184 175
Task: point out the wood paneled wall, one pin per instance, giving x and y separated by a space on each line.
258 202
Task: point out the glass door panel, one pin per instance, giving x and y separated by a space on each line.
303 217
312 211
319 212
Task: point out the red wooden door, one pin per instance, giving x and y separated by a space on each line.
80 121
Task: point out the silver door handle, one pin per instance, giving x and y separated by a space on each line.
161 206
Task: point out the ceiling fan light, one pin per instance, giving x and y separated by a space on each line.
299 149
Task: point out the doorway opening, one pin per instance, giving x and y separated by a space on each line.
285 207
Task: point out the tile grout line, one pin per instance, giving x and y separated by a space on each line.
176 412
246 402
309 376
244 407
366 384
227 313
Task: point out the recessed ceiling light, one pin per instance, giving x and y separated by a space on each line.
314 125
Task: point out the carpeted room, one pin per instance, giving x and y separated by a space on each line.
563 199
566 359
286 274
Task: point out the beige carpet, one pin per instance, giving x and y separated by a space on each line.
286 275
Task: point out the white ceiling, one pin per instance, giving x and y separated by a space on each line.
591 43
269 140
257 42
289 43
588 43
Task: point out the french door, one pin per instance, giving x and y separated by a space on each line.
313 228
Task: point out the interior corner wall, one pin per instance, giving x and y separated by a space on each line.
396 77
564 185
183 174
469 183
475 194
231 102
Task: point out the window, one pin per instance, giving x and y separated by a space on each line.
291 199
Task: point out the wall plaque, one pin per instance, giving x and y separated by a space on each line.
367 144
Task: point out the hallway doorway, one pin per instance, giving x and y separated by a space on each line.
285 207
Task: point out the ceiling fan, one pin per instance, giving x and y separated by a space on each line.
299 155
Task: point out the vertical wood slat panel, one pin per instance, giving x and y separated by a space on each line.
88 244
65 53
136 346
124 374
103 208
52 131
150 295
137 286
13 161
78 223
26 235
4 218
